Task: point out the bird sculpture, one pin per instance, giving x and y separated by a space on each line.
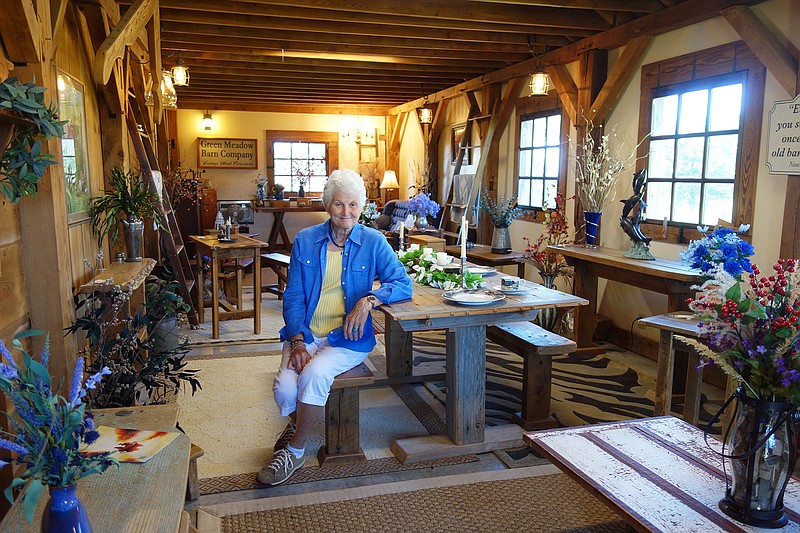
632 213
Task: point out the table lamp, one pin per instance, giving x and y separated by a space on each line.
390 184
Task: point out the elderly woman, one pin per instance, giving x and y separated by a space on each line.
326 308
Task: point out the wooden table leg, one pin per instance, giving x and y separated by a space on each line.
399 350
277 224
214 295
666 364
256 290
466 384
200 285
691 405
585 287
521 270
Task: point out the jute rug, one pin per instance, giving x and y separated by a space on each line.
239 331
525 499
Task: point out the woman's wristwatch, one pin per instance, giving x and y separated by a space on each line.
296 343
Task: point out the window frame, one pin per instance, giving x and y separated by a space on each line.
728 59
537 106
331 139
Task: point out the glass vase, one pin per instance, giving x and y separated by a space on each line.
761 454
548 316
592 219
64 512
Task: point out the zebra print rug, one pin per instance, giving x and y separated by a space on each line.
586 389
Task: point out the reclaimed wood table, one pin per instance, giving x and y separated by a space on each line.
662 275
241 247
465 366
656 473
138 497
278 238
480 254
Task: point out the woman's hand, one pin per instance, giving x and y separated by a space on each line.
299 358
354 321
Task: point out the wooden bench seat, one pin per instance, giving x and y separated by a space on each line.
279 263
536 346
342 427
192 487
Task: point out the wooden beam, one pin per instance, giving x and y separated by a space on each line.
154 47
499 121
58 11
21 33
765 45
625 68
6 66
124 34
566 89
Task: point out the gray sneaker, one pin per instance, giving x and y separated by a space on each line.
284 438
283 465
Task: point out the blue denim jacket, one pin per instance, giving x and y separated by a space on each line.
367 255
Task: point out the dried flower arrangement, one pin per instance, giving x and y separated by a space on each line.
503 212
555 233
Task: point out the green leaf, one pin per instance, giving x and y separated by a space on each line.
32 496
734 293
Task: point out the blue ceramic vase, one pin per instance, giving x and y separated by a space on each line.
64 512
592 223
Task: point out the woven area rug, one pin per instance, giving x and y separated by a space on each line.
239 331
527 499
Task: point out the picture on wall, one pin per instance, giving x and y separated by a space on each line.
227 153
456 136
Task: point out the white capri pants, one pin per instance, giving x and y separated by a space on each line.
313 385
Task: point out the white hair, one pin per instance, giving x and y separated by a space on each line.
347 182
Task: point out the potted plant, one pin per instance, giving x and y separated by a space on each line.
502 214
277 191
422 206
163 307
128 196
25 120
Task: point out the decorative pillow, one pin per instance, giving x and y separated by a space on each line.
383 222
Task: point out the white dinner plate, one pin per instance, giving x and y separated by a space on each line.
481 270
473 296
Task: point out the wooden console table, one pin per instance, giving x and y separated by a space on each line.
124 276
278 238
662 275
137 497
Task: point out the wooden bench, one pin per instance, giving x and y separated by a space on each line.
192 487
342 428
536 346
279 263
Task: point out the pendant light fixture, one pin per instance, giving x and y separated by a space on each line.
540 82
426 113
180 73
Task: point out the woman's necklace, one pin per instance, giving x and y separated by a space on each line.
333 239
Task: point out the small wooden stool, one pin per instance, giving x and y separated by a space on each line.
192 488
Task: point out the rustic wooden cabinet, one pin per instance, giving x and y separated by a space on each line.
208 209
196 215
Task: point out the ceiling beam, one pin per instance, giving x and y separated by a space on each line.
765 45
256 107
567 90
635 6
124 34
19 27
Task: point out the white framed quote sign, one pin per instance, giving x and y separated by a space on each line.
227 153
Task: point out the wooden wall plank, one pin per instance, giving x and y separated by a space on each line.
13 287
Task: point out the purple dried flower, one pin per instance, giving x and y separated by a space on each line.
7 354
77 378
8 372
13 447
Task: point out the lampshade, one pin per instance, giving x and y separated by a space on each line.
180 73
389 180
425 115
539 84
208 122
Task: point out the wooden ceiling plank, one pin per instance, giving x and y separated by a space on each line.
566 89
415 12
125 33
625 68
642 6
765 45
338 109
21 33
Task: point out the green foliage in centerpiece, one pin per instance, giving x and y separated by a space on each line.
424 270
503 212
47 429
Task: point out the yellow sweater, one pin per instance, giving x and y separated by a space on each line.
329 313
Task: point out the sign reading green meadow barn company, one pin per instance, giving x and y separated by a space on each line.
227 153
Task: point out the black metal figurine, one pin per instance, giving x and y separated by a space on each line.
632 213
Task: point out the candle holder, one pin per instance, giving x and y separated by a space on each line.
463 272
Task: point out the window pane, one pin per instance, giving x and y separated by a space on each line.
554 130
665 115
317 183
694 106
283 167
717 203
726 106
282 150
538 162
537 187
550 191
689 158
659 199
552 158
317 150
721 162
286 181
686 207
525 163
539 133
661 159
75 160
524 194
526 134
317 166
300 150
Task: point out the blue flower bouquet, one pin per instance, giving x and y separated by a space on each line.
722 249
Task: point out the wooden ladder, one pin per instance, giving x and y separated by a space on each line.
171 239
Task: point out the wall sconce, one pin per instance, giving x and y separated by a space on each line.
180 73
168 90
359 136
426 113
540 84
390 184
208 121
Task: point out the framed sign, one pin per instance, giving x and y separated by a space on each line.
783 140
456 136
227 153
